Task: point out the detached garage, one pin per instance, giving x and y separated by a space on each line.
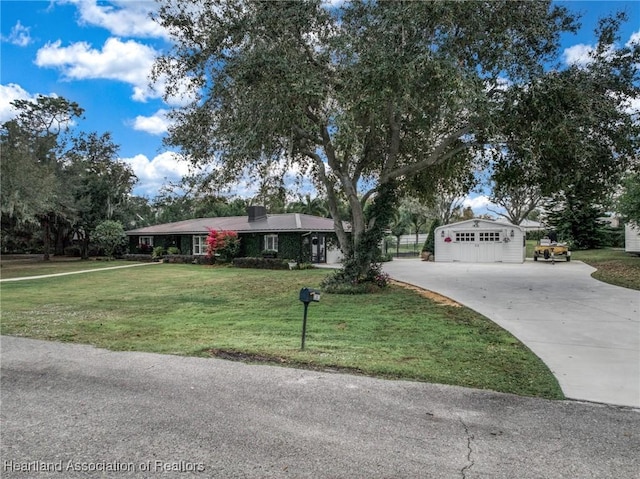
480 241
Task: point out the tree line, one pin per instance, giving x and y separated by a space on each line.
373 102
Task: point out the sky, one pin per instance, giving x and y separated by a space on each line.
99 54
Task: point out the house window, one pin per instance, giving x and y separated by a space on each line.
465 236
145 244
200 245
145 241
271 242
489 236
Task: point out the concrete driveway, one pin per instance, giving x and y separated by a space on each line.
75 411
586 331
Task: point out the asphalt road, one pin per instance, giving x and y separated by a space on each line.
586 331
77 411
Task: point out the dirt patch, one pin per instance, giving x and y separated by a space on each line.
435 297
245 357
250 358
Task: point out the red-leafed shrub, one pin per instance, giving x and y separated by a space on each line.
223 245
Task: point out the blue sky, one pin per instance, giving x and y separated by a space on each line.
99 53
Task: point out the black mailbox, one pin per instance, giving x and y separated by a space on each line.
307 295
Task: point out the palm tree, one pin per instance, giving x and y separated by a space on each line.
309 206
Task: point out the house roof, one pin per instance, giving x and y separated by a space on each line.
280 223
530 225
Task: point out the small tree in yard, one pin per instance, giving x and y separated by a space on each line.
429 244
225 245
109 235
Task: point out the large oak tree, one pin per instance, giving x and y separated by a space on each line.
362 98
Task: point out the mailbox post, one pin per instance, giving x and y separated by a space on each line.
307 295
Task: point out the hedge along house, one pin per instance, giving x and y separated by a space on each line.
480 241
296 236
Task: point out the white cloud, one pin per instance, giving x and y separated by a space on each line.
9 93
129 62
480 204
634 39
157 124
123 18
157 172
19 35
126 61
578 55
632 107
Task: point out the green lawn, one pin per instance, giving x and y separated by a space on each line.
614 266
205 311
34 266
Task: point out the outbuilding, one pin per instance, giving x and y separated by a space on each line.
632 238
480 241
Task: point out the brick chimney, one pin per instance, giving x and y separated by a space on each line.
256 213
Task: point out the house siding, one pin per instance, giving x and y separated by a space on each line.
251 245
297 234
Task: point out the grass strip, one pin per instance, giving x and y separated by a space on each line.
256 315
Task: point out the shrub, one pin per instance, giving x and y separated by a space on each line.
140 257
223 245
613 237
385 258
373 281
173 250
429 244
305 266
72 251
188 259
109 235
158 252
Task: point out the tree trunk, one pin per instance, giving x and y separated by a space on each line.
84 247
46 239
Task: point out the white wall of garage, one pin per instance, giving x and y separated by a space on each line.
480 241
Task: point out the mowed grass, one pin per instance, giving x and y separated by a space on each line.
614 266
21 267
206 311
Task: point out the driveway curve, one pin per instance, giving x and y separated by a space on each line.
586 331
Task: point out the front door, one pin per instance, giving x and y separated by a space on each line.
318 252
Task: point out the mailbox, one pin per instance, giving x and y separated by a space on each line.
308 295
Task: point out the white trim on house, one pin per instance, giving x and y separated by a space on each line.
199 243
270 242
145 241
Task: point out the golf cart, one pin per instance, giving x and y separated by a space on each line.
548 249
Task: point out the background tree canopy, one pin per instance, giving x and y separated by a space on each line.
372 98
52 176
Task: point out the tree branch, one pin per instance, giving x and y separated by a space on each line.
438 156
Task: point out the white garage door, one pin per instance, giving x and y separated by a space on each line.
478 246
